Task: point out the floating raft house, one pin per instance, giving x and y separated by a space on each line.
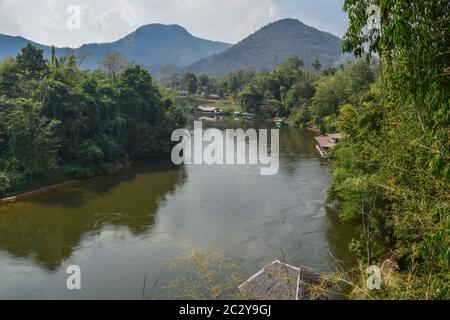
325 143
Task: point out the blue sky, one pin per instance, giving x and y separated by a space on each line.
45 21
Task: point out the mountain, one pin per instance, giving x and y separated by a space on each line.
10 46
152 45
155 45
270 46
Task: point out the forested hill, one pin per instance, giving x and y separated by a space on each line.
151 45
10 46
270 46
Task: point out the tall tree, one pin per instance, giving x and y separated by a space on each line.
190 83
316 65
30 61
113 63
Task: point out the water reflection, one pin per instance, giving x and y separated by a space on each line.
122 226
295 143
50 227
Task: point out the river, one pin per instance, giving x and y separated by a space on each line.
128 226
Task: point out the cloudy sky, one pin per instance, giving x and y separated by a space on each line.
45 21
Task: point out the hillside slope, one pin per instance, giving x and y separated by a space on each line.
270 46
151 45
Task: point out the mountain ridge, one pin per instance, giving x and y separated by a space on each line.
269 46
151 45
158 45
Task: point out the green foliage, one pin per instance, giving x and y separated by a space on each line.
59 122
33 145
317 65
235 81
280 92
301 116
30 62
4 181
203 80
190 83
347 85
9 78
392 168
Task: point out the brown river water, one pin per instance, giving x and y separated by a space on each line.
127 226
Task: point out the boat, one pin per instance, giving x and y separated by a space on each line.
249 116
280 123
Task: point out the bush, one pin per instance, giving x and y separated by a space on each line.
4 182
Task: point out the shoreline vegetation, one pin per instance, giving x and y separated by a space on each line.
28 194
59 123
391 171
57 186
47 188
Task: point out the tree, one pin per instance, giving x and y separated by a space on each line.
80 56
279 92
392 166
30 61
347 85
69 123
293 62
32 141
53 57
203 80
190 83
4 182
9 78
316 65
113 63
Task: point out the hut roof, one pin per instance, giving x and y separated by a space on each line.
281 281
325 142
207 109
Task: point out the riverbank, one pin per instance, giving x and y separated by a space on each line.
31 193
57 186
123 226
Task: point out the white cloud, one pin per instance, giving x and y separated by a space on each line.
44 21
9 23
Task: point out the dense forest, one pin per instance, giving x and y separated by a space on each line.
58 122
392 170
306 96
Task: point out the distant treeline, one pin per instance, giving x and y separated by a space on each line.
58 122
305 96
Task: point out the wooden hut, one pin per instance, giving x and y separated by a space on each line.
325 143
281 281
208 110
